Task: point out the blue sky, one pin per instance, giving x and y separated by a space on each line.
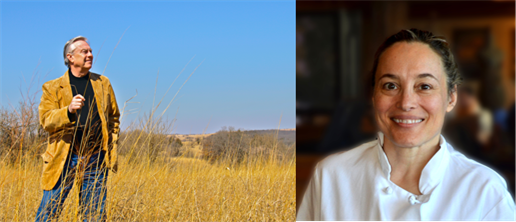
247 50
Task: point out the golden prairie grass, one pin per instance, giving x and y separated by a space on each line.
177 189
160 187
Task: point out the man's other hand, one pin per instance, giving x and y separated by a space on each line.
77 103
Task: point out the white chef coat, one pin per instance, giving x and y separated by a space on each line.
356 185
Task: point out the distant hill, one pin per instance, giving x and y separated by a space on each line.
286 135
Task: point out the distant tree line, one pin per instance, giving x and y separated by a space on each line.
237 145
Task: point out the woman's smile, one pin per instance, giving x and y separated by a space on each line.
407 121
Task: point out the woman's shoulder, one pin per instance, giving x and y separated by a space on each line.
473 171
355 157
474 182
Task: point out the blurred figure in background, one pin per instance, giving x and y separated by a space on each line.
473 130
472 126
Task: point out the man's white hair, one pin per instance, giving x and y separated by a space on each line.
70 47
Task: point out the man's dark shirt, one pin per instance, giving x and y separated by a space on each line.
90 130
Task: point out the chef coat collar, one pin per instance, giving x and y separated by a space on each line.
432 173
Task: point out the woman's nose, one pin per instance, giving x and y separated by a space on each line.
407 100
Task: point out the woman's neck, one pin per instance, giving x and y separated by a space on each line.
408 163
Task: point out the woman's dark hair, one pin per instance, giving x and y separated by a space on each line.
436 43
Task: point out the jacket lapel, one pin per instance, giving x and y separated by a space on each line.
66 90
99 92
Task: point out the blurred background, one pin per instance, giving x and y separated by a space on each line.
335 45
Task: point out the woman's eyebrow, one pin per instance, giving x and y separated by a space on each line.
388 75
426 75
420 76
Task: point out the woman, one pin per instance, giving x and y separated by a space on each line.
410 172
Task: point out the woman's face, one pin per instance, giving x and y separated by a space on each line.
410 95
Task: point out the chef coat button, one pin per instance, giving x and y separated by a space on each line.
387 190
412 200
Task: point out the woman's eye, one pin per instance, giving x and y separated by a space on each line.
389 86
425 87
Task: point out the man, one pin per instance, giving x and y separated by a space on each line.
80 113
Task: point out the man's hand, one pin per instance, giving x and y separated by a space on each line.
77 103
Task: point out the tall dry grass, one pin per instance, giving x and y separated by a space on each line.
157 180
177 189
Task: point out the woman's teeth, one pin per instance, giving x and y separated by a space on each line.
408 121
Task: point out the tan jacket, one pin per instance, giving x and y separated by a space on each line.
53 117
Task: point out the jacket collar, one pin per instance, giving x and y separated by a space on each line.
433 172
65 79
66 89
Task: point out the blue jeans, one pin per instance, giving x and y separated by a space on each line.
90 176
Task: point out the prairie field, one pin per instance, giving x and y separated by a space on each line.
182 189
230 175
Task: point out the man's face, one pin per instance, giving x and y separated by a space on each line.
82 56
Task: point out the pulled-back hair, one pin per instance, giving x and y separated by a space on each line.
437 43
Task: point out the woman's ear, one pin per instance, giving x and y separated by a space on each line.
452 99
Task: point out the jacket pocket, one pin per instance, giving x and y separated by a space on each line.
47 157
